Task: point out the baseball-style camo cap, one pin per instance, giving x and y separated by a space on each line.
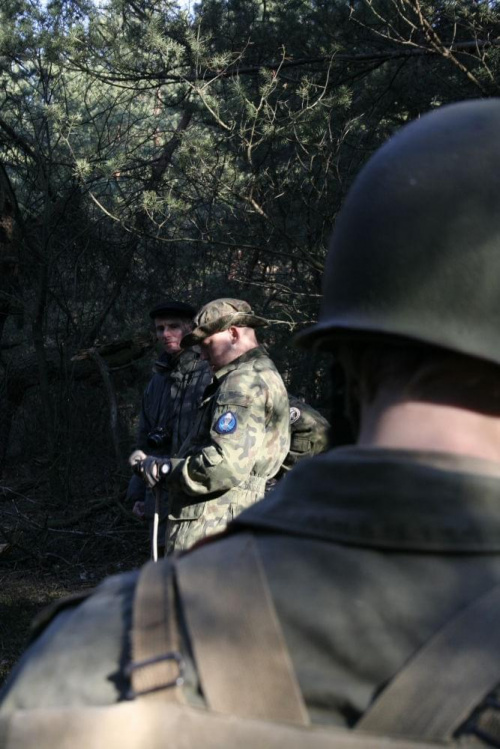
220 315
176 309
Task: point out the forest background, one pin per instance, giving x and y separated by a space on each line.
147 152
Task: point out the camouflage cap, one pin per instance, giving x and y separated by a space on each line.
220 315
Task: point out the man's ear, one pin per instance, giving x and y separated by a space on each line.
235 333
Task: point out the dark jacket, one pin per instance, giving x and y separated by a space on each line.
170 402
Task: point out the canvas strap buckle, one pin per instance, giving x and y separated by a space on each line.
150 663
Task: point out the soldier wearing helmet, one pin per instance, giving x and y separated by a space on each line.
363 592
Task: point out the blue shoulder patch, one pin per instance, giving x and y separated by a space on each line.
226 424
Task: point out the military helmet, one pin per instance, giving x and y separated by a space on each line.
415 252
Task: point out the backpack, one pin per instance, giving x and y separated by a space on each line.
252 694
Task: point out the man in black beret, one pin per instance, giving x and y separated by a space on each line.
169 403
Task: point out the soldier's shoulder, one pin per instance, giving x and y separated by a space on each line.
256 376
266 369
78 642
266 380
52 610
115 586
246 387
243 382
263 362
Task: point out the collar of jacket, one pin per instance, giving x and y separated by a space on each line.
258 352
388 499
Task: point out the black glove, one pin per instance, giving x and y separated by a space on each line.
152 470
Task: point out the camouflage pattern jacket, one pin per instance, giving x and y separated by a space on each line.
170 402
239 440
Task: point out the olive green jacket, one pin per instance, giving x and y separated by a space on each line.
367 554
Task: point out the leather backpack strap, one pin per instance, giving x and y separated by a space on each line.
243 662
436 691
156 662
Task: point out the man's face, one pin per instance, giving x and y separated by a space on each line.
169 332
218 349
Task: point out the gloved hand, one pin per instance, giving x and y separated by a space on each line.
136 457
152 470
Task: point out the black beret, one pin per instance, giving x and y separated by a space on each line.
180 309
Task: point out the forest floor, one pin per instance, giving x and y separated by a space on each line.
49 550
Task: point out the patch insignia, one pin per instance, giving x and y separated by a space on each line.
226 424
294 414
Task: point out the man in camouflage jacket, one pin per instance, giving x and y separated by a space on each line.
241 434
170 401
